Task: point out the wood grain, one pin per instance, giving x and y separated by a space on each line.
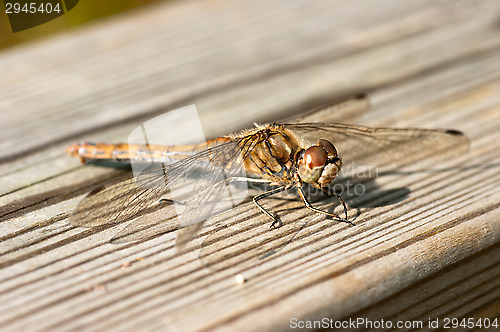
425 244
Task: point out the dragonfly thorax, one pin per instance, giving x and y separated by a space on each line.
272 155
319 164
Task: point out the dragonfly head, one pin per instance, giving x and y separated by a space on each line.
319 164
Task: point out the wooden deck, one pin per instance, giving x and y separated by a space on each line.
426 241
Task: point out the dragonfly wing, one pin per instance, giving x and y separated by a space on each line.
379 147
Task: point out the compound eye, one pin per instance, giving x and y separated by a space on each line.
329 147
312 163
315 156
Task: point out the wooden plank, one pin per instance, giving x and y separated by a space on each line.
426 237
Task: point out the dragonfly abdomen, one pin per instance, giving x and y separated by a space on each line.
127 153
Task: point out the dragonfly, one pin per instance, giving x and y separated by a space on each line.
307 151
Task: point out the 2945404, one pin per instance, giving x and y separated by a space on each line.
478 323
32 7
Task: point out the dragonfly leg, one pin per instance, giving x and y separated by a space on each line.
312 208
249 181
341 200
277 223
243 179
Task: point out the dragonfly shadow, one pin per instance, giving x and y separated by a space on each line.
155 222
364 192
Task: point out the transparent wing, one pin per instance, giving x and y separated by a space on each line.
360 145
129 198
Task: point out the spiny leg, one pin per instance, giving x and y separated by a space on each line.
276 221
312 208
341 200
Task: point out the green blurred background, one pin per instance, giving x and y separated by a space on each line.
85 12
